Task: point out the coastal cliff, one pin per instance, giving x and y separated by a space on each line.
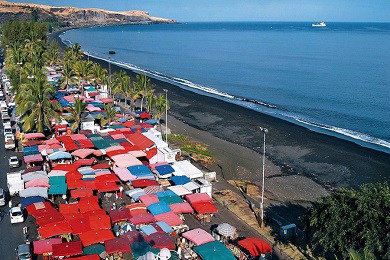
74 17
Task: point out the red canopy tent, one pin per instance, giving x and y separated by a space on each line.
128 123
45 245
144 218
40 213
106 186
255 246
101 166
85 206
85 162
137 208
69 208
79 225
161 240
90 184
119 215
75 184
143 183
198 197
79 193
51 219
66 167
95 236
54 230
72 175
96 212
67 249
34 136
107 178
32 143
92 199
71 216
116 152
117 244
99 221
145 115
37 206
87 143
204 207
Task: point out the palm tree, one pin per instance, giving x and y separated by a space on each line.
51 54
82 71
122 85
144 86
110 115
98 72
67 74
161 104
77 113
34 106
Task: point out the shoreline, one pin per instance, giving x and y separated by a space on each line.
301 164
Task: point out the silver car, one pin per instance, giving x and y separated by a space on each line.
13 162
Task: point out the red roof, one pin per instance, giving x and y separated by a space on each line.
51 219
79 225
66 167
54 230
106 186
160 241
85 143
83 192
99 221
140 140
107 178
45 245
119 215
143 183
95 236
144 218
255 246
67 249
100 166
43 212
69 208
117 244
204 207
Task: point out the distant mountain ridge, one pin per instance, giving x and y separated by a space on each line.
74 17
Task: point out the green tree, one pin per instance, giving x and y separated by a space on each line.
122 85
82 71
34 106
161 104
98 72
144 87
110 115
67 75
77 113
353 220
51 54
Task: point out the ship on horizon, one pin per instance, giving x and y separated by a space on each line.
321 24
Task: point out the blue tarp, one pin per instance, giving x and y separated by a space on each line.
56 180
148 230
164 169
164 226
58 189
158 208
30 150
135 193
30 200
180 180
166 193
139 170
151 121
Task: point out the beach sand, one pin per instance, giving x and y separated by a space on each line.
301 165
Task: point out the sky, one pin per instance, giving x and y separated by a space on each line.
244 10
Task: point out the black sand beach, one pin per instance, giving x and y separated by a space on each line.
301 164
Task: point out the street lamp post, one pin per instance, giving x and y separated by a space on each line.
166 115
20 71
264 131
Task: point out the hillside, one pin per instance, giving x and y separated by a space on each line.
74 17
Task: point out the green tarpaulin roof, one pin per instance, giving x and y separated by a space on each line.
58 189
214 250
56 180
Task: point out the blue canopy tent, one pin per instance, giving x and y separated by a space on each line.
58 189
31 200
180 180
29 150
164 171
139 170
158 208
148 230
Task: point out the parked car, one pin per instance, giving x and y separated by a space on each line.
16 215
2 197
13 162
23 252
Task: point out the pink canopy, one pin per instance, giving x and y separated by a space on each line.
118 136
45 245
114 148
179 208
34 136
160 241
117 244
198 236
92 108
124 174
170 218
51 142
37 183
82 153
125 160
78 136
148 199
198 197
143 218
33 158
106 100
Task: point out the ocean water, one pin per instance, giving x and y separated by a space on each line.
334 80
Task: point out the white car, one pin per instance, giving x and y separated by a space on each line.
13 162
16 215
